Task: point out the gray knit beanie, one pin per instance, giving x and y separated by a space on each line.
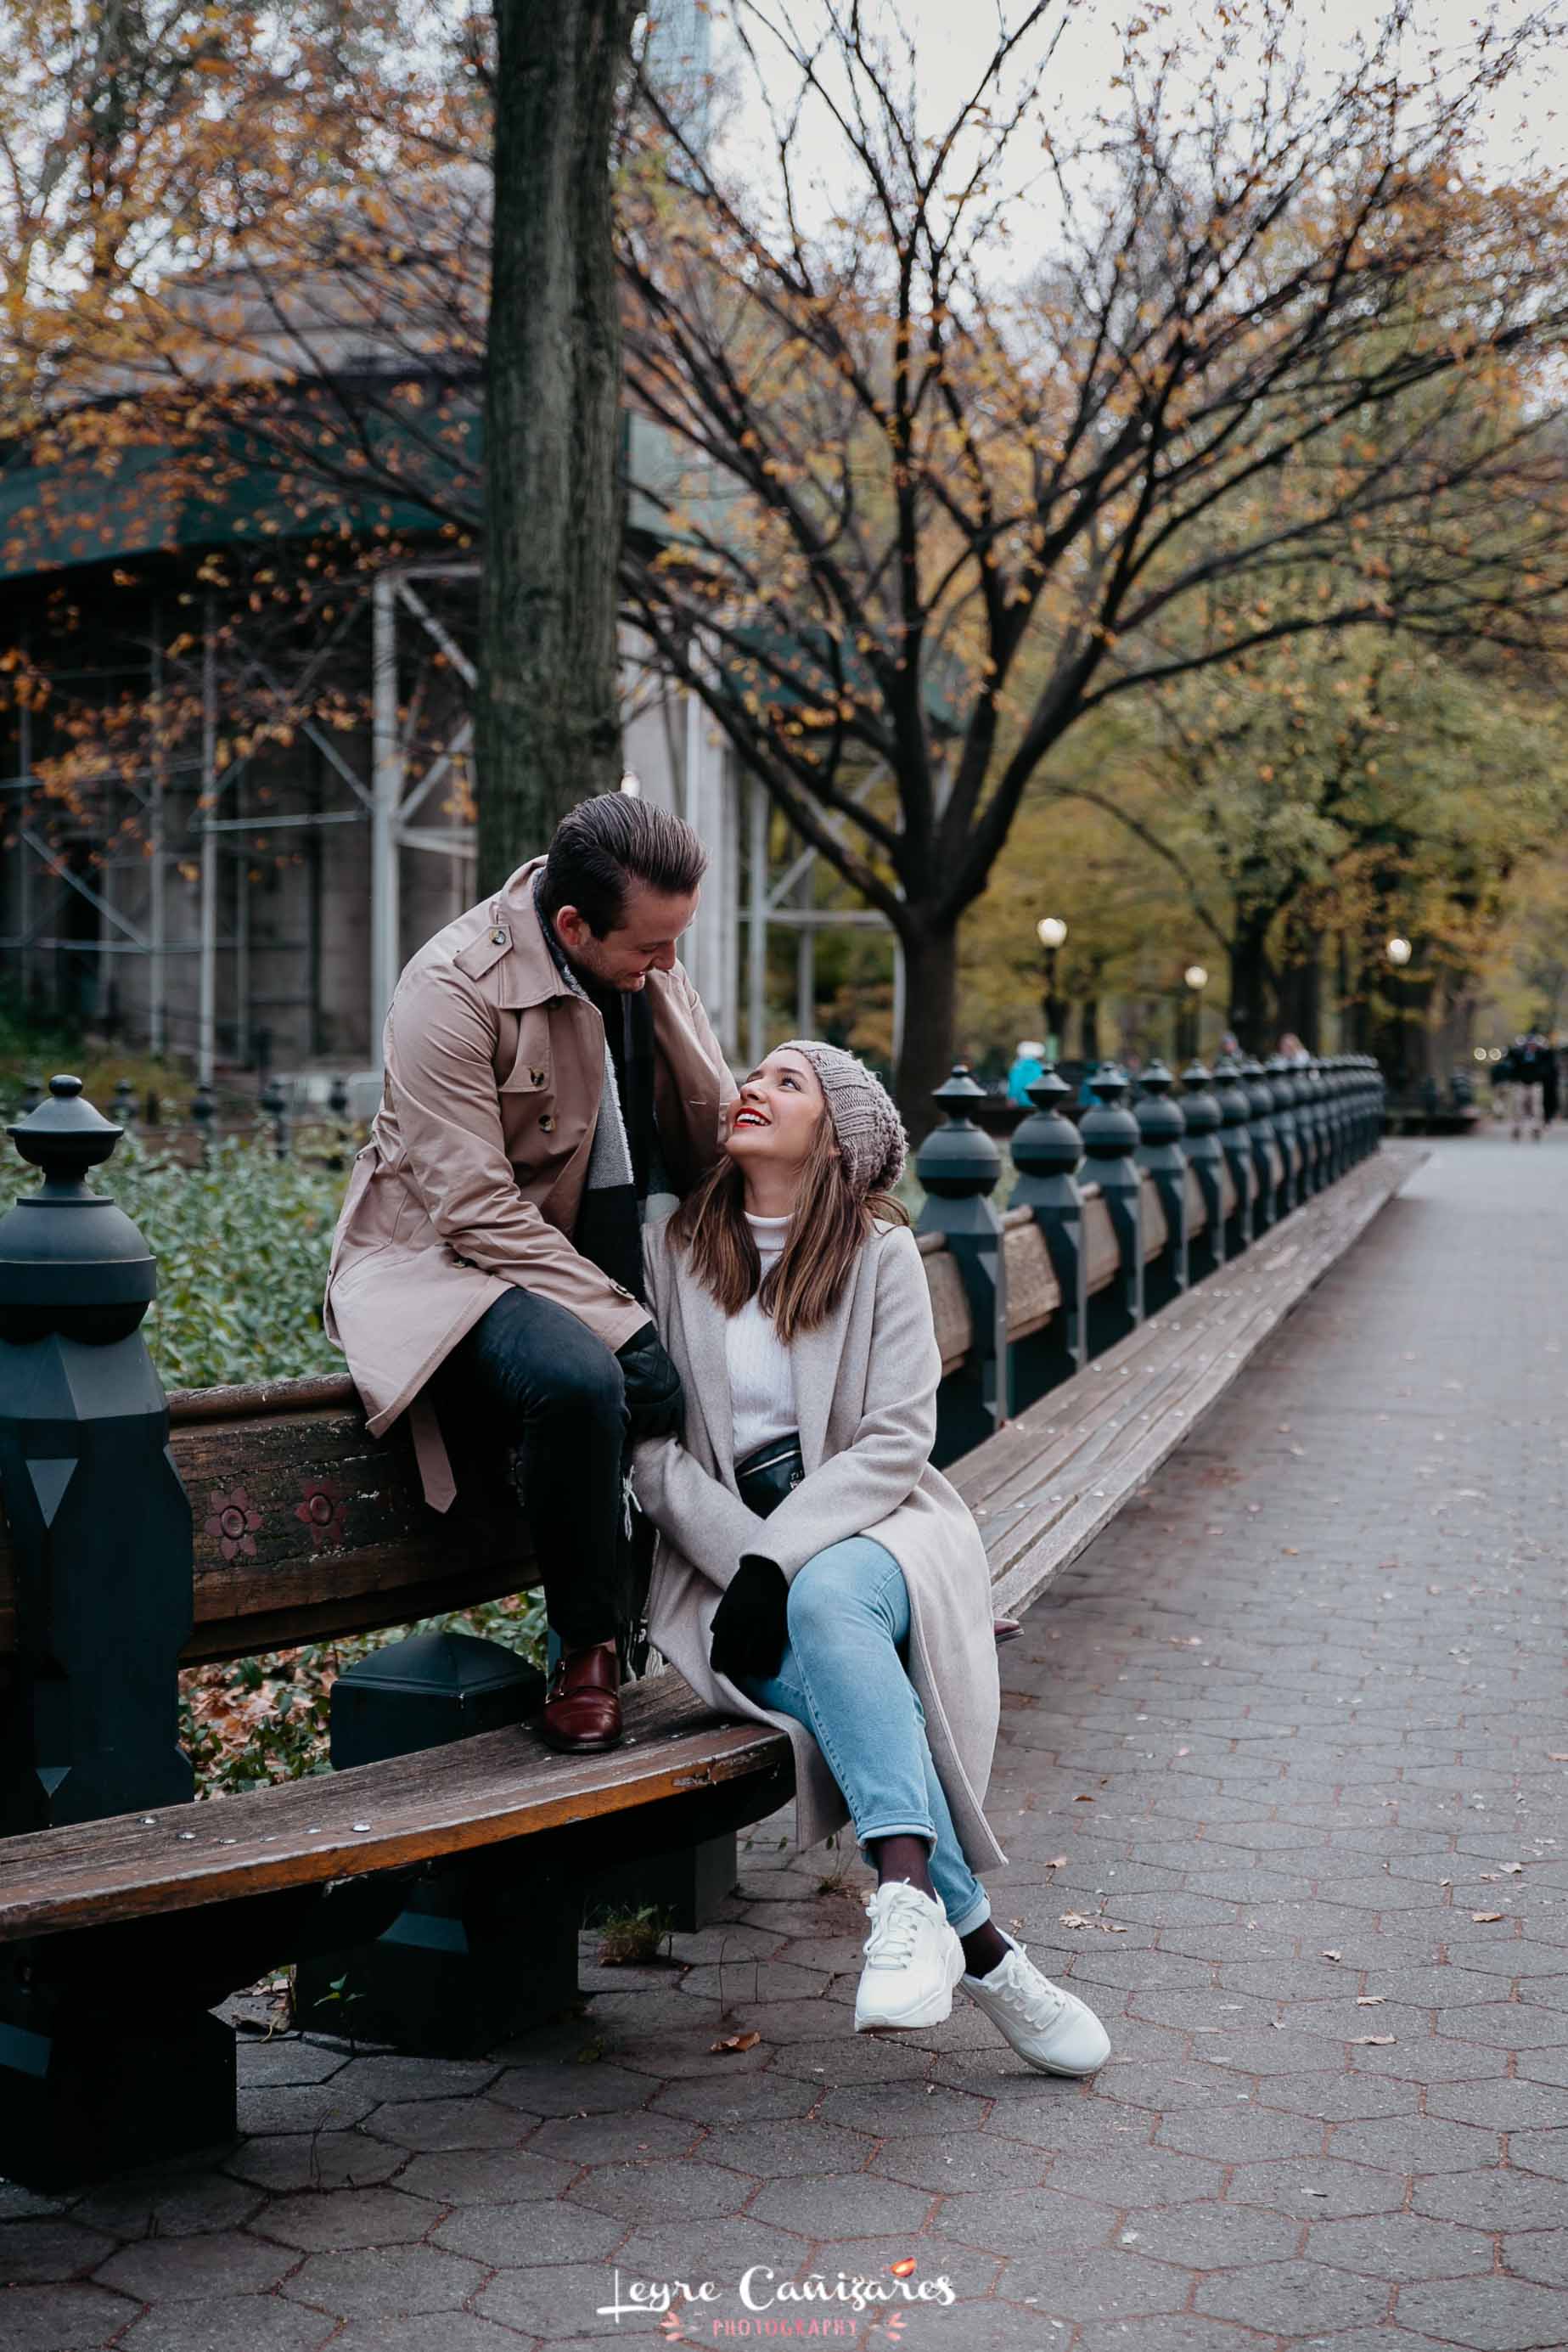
870 1131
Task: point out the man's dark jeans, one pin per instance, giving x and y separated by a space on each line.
530 1375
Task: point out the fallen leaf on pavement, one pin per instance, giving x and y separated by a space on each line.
1481 1917
1371 2041
735 2042
1334 1956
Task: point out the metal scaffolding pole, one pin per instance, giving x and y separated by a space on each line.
158 906
24 872
757 937
386 800
207 998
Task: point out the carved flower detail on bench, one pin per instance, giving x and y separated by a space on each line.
323 1512
234 1521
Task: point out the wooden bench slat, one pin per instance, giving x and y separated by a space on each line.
442 1800
949 1310
1034 1293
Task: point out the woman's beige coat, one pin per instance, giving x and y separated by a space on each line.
865 1391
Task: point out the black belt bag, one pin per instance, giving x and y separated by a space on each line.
766 1476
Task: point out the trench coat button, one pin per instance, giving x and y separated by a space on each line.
499 938
536 1078
547 1123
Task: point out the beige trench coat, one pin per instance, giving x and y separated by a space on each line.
865 1392
475 1170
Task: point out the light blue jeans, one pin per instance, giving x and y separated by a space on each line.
843 1675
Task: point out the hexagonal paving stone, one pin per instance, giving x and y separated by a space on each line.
1540 2151
460 2332
336 2161
662 2190
1400 2246
1024 2223
74 2318
1498 2199
241 2323
33 2253
527 2236
389 2077
1243 2131
839 2208
622 2138
448 2123
301 2108
753 2098
787 2146
1293 2299
970 2160
1316 2188
1490 2315
864 2058
1174 2333
182 2270
284 2059
1431 2145
484 2176
164 2205
561 2301
1109 2285
1541 2255
549 2090
1138 2176
754 1980
1510 2025
897 2109
1505 2104
1212 2237
675 2056
346 2218
385 2281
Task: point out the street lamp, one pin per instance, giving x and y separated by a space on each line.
1398 951
1050 932
1196 979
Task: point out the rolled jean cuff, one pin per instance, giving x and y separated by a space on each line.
975 1916
926 1830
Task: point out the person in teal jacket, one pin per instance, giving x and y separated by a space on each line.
1027 1069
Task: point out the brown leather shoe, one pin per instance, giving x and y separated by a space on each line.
582 1704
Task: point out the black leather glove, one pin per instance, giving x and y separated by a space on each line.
653 1396
749 1625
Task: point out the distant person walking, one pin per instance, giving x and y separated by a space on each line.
1524 1071
1027 1069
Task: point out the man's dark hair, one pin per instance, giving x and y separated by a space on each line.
604 845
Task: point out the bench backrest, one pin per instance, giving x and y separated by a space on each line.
306 1527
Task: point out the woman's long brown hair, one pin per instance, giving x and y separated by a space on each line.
827 1229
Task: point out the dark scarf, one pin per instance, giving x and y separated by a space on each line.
609 1230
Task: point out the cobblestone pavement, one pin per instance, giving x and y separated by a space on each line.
1282 1784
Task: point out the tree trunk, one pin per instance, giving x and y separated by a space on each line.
931 986
547 709
1300 998
1250 977
1089 1032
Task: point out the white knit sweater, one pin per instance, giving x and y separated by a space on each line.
761 1381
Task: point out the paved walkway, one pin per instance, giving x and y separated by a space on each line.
1284 1781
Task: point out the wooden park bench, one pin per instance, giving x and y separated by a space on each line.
303 1527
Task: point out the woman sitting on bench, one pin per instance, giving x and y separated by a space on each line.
813 1570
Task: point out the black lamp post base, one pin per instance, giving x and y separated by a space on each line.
88 2094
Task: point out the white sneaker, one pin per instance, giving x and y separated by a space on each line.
1049 2028
913 1960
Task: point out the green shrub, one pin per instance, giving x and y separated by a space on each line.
242 1247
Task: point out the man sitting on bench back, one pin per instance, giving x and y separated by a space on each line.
548 1068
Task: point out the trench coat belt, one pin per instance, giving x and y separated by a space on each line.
435 1468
